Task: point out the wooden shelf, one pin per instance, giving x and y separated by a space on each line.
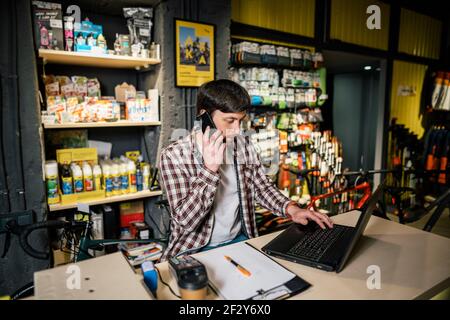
124 197
121 123
95 60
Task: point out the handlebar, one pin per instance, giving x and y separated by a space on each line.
27 230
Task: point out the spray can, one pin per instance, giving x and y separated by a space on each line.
51 179
66 179
87 177
139 178
132 176
145 176
115 178
77 179
97 173
125 186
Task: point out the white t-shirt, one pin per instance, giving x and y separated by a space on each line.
227 223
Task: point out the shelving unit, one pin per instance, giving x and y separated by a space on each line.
124 197
99 62
122 123
95 60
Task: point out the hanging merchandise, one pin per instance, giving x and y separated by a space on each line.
139 26
68 33
48 25
440 97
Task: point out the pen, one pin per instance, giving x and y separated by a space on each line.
244 271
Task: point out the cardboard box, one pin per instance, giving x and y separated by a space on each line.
131 212
48 25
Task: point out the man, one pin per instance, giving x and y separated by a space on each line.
211 192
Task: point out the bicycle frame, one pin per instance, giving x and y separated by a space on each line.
365 187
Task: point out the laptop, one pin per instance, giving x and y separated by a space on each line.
327 249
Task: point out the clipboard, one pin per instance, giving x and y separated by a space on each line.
269 280
284 291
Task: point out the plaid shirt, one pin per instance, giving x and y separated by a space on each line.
190 189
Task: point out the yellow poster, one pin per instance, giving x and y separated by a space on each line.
194 52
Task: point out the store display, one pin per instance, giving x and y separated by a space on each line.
48 25
79 173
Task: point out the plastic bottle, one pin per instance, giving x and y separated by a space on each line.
51 179
97 173
139 179
77 175
116 179
66 179
125 186
107 179
132 176
145 176
87 177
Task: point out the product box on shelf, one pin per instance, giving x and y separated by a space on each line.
79 156
48 26
131 212
87 37
143 109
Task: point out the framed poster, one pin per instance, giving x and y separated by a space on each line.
194 53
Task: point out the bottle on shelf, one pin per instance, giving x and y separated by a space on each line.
97 172
116 182
51 181
77 175
132 176
139 178
66 179
124 177
146 176
107 179
87 177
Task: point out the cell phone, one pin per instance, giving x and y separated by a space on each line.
206 120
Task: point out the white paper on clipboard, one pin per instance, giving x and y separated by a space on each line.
230 284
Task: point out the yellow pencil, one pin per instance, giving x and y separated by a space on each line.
244 271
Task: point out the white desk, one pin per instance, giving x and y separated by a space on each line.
414 265
107 277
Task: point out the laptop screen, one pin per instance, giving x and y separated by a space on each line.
361 224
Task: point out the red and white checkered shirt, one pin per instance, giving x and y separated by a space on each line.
190 188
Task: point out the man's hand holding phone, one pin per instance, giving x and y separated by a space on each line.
212 148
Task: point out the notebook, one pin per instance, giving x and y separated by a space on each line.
268 280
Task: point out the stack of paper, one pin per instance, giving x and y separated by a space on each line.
231 284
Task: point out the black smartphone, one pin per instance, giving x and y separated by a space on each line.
206 120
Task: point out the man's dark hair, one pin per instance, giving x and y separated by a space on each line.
224 95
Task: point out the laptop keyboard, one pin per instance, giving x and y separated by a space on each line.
314 244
